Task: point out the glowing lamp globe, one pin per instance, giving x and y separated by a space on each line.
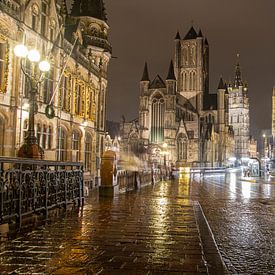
34 55
44 66
20 50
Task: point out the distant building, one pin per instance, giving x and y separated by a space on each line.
180 123
239 113
76 43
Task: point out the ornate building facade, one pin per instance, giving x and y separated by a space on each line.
239 114
180 123
77 46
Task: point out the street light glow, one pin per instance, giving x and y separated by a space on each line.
34 55
20 50
44 66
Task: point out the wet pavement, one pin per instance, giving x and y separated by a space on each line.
159 229
241 216
151 231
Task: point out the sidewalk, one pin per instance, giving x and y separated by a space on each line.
157 230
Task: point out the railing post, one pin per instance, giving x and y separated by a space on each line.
65 188
20 197
81 187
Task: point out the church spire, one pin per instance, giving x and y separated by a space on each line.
238 75
64 10
171 73
91 8
145 76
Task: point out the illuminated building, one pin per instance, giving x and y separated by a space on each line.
181 112
79 51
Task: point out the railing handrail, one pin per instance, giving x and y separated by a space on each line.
38 162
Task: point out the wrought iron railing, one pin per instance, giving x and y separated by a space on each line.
35 186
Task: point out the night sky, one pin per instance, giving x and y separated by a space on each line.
144 30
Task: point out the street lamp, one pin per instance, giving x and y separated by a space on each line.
30 148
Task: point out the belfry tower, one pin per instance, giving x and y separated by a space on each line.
192 67
239 112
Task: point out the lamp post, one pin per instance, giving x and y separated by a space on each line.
30 148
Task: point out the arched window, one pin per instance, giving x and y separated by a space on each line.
4 62
50 134
44 136
182 147
61 145
25 128
44 14
78 99
76 145
34 18
52 28
190 81
66 89
194 81
157 119
48 86
185 81
88 152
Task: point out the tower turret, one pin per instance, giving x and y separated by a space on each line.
171 80
238 75
144 82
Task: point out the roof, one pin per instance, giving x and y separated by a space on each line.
145 75
177 36
221 84
192 34
171 73
185 103
91 8
157 83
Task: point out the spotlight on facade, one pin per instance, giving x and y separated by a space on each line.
20 50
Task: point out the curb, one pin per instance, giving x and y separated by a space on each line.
214 260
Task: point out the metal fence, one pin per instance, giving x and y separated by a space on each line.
35 186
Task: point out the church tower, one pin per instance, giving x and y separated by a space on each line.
191 67
239 113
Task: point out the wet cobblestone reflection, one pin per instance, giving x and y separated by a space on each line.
153 230
241 215
156 231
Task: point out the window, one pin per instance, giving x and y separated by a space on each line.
44 137
44 13
61 145
75 145
38 133
50 133
78 99
157 119
35 12
4 60
88 152
65 93
52 28
182 147
48 87
25 128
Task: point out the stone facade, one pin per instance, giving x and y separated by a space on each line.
77 47
180 123
239 114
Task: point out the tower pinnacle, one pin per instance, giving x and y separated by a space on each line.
145 76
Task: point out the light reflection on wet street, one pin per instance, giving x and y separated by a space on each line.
241 215
155 231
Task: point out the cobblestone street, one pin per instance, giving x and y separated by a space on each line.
156 230
241 216
147 232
